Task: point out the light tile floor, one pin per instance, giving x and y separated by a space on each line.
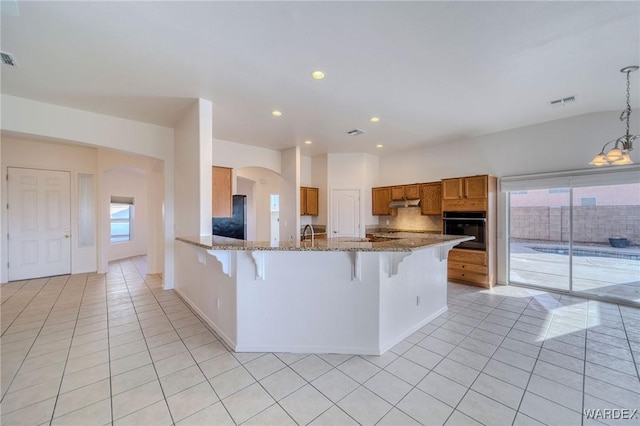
117 349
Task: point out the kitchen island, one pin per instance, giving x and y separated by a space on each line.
339 295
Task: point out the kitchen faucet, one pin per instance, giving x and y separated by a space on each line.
304 233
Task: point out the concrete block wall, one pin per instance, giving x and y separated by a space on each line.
591 224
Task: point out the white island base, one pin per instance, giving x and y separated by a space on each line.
307 301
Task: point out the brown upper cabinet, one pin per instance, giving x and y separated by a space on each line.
467 193
221 205
431 198
405 192
381 197
308 201
465 187
427 193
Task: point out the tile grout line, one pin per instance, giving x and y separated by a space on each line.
33 343
538 358
490 358
182 341
126 284
464 302
69 352
633 358
26 305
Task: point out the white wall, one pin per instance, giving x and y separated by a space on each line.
237 155
290 195
306 171
192 154
30 153
114 171
267 182
55 123
566 144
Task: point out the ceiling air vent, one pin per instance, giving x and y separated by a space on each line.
8 59
355 132
562 102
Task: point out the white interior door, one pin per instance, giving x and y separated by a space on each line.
345 214
39 222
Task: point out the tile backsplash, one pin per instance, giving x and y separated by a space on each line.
410 218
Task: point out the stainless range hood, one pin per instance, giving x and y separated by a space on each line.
404 203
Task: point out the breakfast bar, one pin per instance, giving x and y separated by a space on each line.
339 295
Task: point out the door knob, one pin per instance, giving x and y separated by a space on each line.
66 233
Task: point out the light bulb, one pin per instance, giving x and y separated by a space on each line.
599 160
624 160
614 154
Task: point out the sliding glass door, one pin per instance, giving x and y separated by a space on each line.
606 229
539 232
577 232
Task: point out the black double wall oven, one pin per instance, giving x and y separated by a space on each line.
467 223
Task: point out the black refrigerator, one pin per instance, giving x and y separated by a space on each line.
236 225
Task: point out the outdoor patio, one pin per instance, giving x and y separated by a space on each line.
598 270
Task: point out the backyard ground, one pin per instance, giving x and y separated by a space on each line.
598 270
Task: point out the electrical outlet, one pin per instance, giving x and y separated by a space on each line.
218 303
417 300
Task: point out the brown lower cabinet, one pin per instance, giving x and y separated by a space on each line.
471 267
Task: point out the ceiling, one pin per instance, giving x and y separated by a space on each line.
432 71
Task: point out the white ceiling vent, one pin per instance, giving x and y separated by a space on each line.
562 102
8 59
355 132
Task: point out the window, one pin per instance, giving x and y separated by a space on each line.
588 201
121 214
558 191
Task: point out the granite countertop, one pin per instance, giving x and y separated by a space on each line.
383 242
399 230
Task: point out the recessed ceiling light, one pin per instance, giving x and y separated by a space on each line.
317 75
308 142
276 113
374 119
379 145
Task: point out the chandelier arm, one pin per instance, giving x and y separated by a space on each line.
608 143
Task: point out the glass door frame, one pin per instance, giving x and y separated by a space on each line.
631 174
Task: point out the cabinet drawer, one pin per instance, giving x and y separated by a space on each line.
480 269
464 205
476 257
456 274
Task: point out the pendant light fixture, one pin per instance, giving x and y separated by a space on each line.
619 154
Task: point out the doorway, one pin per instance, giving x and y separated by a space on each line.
345 213
39 223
